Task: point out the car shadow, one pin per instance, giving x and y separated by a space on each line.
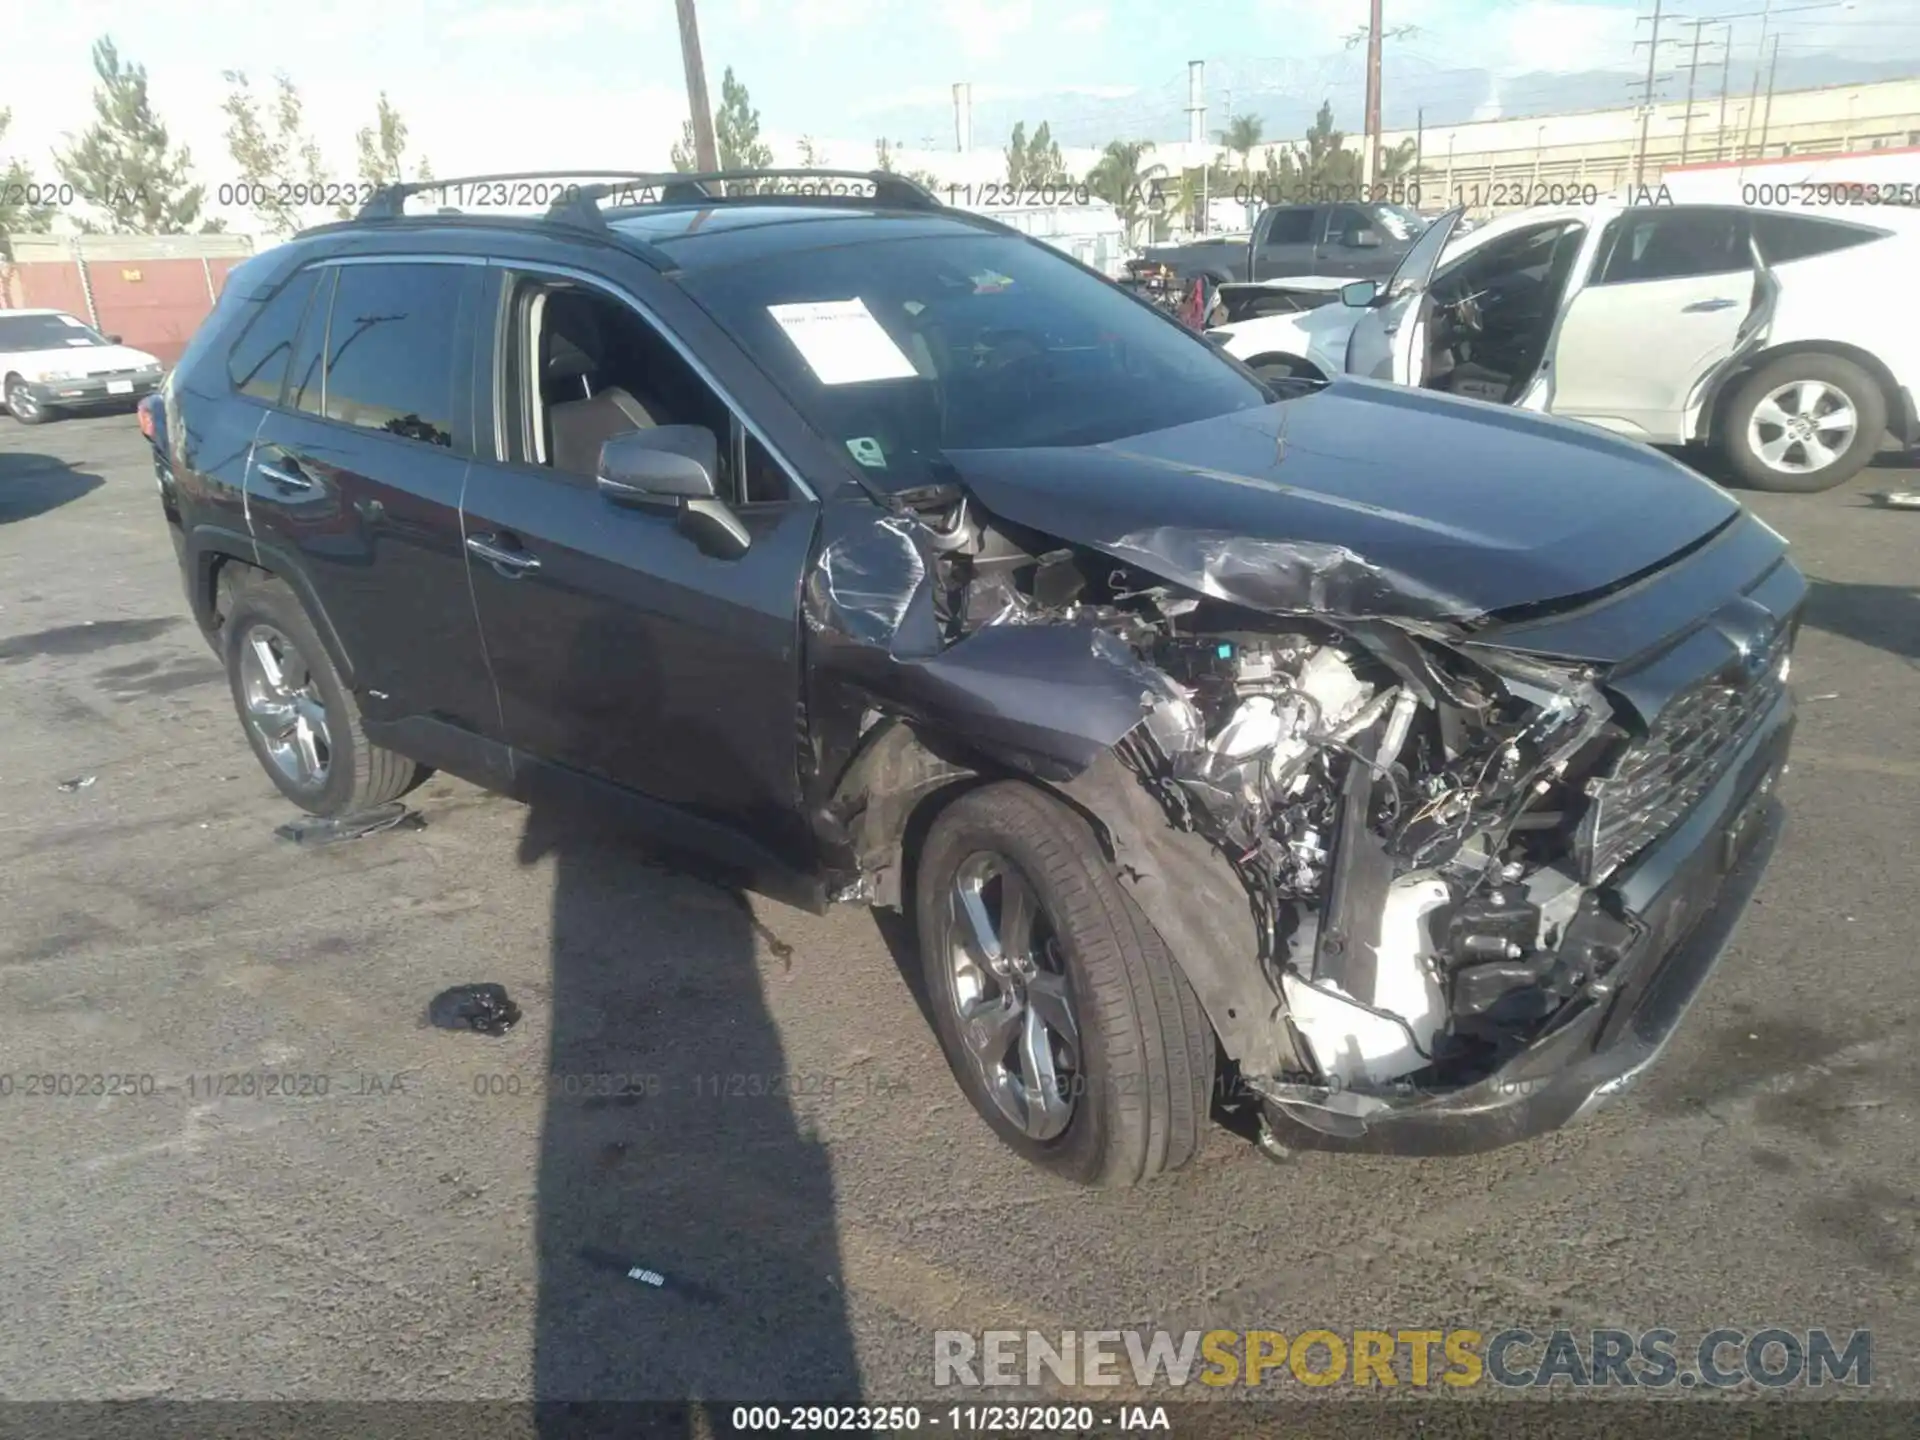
31 484
687 1241
1709 462
1887 617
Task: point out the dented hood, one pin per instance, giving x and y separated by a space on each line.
1364 500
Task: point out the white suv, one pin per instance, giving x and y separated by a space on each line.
1782 337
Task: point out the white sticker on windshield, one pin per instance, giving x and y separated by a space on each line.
867 451
842 342
81 341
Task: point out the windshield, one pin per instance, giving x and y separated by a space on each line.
901 349
46 332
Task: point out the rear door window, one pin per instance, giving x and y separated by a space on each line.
390 349
257 365
1674 243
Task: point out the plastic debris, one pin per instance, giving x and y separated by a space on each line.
646 1275
333 829
1901 499
79 782
1832 695
486 1008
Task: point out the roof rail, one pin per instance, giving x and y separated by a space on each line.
691 186
389 201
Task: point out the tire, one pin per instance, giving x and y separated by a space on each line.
21 408
1286 376
1139 1082
1740 437
357 775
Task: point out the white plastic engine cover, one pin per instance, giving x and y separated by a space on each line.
1351 1044
1255 726
1333 685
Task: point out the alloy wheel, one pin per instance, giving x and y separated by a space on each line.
1012 996
1802 426
20 403
284 708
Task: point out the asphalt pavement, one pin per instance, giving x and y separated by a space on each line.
288 1185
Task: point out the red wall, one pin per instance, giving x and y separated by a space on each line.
152 305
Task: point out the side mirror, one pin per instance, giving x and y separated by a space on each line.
673 467
1360 293
113 339
1367 239
665 464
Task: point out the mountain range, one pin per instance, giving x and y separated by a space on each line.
1286 94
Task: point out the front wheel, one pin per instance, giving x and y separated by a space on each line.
1803 423
23 406
1065 1020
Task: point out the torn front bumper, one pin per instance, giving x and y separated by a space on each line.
1684 896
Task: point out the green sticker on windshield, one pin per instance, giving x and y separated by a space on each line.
868 452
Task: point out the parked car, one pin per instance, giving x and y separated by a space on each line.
1352 241
1767 334
1311 753
51 362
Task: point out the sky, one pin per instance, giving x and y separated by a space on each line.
513 84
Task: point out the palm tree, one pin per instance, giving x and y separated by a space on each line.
1122 178
1242 136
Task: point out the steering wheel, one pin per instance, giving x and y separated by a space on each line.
999 350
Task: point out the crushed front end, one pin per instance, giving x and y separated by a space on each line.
1441 880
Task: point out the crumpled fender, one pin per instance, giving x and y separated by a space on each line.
1192 898
1046 699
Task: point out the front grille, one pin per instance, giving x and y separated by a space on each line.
113 374
1659 779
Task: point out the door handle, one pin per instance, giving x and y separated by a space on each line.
1700 307
286 477
509 561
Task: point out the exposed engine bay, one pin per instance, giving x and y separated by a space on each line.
1403 820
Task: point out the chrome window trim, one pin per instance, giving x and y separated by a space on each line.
396 258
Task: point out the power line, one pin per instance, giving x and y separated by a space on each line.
1646 100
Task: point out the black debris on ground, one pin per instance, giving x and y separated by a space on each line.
485 1008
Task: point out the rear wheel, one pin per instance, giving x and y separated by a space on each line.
1065 1020
1803 423
299 717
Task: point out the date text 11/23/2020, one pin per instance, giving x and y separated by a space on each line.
952 1419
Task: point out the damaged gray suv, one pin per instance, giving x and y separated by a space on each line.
1389 767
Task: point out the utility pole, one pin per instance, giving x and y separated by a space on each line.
705 154
1646 98
1370 146
1693 70
1753 100
1766 117
1726 72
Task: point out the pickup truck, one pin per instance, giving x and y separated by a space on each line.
1362 241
